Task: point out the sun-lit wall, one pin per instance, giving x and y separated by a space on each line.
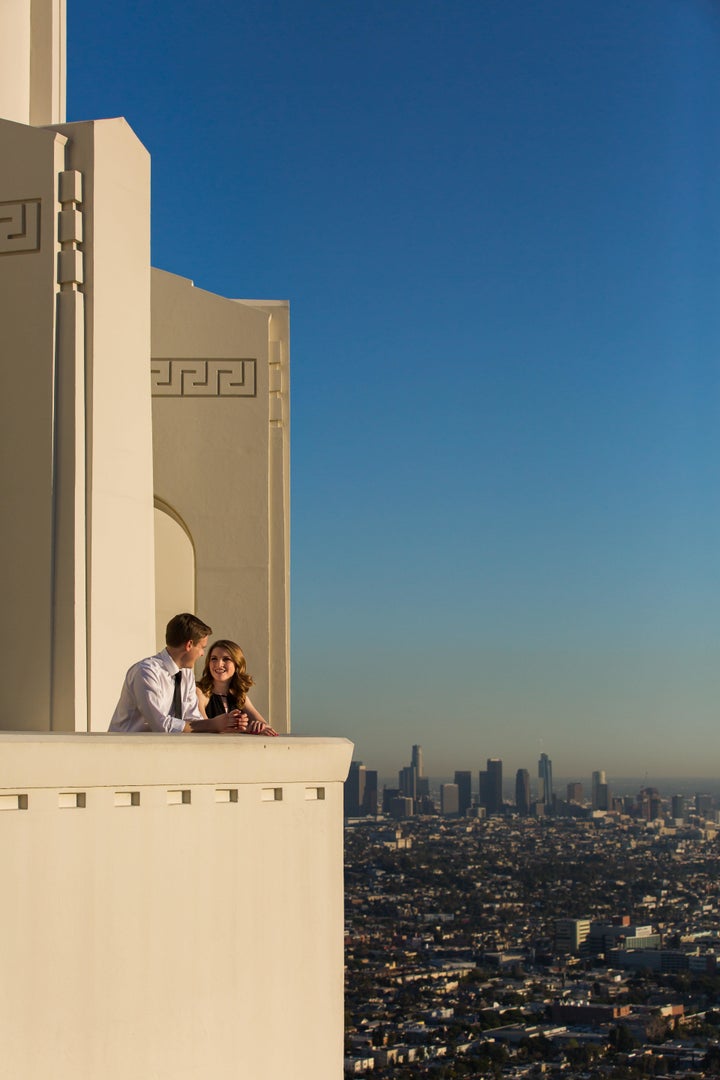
220 422
77 543
32 61
173 907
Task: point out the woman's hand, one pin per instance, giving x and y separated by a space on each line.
258 727
238 721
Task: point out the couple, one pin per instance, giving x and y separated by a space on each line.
159 694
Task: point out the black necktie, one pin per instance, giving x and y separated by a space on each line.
177 696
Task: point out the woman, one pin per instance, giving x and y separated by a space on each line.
223 687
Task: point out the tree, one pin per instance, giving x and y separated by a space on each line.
623 1039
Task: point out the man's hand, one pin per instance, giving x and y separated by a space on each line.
235 722
224 724
241 720
238 721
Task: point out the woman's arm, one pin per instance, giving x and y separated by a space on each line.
252 712
202 701
257 723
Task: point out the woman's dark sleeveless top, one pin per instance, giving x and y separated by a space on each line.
216 707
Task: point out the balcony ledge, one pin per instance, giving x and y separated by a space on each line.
41 759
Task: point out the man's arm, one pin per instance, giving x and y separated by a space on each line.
216 725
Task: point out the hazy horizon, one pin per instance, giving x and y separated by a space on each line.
667 786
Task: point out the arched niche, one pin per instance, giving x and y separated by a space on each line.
174 568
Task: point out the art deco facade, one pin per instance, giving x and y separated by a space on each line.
176 903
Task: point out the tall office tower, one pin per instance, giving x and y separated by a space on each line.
598 780
678 806
574 792
704 805
449 800
522 792
545 774
463 779
483 789
370 796
417 760
649 804
387 797
494 773
354 790
401 807
407 781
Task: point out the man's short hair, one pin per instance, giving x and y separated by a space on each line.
184 628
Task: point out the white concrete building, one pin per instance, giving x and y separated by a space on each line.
121 392
173 906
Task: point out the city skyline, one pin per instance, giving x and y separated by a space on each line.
498 227
595 783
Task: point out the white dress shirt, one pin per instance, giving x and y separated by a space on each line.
147 696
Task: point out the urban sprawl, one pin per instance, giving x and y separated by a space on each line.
542 937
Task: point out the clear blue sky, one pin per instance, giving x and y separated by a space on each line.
498 225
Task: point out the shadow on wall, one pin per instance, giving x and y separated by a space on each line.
174 568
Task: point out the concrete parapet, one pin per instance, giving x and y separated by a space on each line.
173 906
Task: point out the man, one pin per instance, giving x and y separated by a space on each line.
159 693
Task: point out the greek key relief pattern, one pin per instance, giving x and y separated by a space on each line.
19 227
203 378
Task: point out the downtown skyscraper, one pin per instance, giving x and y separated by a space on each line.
463 779
490 793
522 792
600 791
545 793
